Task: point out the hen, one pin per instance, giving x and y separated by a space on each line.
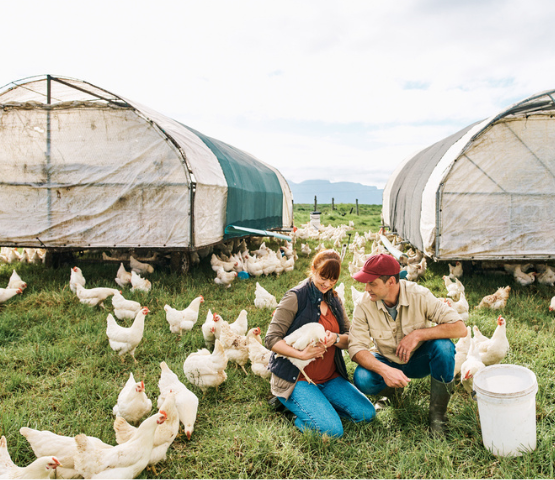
180 320
125 340
7 293
186 401
471 366
93 296
46 443
547 277
305 249
461 307
123 277
235 346
163 437
454 287
493 350
139 283
43 467
497 300
127 460
125 309
16 282
263 298
224 278
209 329
76 278
259 355
524 278
340 290
456 270
357 296
132 404
552 305
309 334
205 369
240 325
461 350
139 267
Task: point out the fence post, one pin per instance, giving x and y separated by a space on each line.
332 204
357 206
315 203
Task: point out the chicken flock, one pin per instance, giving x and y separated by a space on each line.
143 442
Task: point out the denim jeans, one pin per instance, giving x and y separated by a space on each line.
319 407
433 357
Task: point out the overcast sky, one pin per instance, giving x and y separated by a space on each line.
337 90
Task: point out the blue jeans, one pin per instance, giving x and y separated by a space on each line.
433 357
318 407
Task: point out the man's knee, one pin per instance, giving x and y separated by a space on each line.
443 348
368 382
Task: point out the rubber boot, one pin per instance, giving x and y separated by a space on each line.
440 394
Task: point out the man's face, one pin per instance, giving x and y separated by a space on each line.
377 289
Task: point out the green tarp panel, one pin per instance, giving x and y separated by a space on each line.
254 195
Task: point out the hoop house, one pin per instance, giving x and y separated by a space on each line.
486 192
82 167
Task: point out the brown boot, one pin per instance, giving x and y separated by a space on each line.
440 394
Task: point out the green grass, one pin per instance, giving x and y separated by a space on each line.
58 373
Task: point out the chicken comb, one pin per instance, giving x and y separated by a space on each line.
162 412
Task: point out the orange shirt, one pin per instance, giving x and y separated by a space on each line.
323 369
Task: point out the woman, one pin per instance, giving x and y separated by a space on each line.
320 406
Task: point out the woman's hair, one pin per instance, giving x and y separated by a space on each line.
327 264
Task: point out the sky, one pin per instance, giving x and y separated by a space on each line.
320 89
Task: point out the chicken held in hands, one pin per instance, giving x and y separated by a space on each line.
127 460
132 404
42 467
205 369
186 402
125 340
185 319
309 334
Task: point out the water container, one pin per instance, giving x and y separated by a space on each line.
315 220
506 396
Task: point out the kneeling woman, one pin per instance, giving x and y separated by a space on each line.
320 406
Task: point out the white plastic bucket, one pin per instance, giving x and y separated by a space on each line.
315 220
506 396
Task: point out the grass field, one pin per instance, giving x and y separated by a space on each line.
58 373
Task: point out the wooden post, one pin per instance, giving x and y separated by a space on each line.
332 204
357 206
315 203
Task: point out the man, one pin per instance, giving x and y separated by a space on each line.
396 317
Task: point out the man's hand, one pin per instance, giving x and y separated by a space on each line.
395 378
407 345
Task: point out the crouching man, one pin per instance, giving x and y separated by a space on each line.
395 317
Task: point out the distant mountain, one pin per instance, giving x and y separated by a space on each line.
341 192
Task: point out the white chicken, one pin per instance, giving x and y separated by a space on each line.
357 296
456 270
205 369
461 350
235 346
218 263
552 305
132 404
139 283
124 309
7 293
224 278
209 329
16 282
497 300
127 460
185 319
123 277
240 325
524 278
125 340
461 307
42 467
46 443
547 277
76 278
93 296
454 287
309 334
140 267
163 436
263 298
305 249
259 355
471 366
495 349
186 402
340 290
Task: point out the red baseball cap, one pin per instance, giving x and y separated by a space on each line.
376 266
